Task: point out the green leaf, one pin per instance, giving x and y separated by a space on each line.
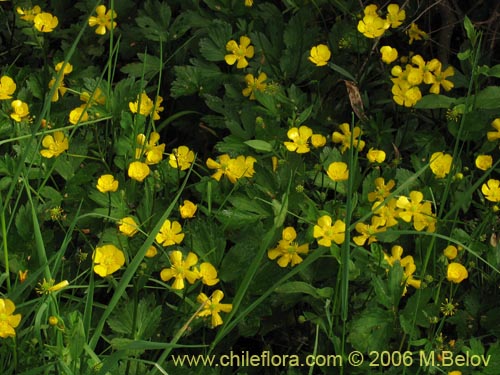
193 79
469 29
433 101
154 20
148 67
304 288
259 145
213 48
489 98
371 329
76 335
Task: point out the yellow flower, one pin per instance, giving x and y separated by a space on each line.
7 87
405 94
107 183
59 90
208 274
455 372
492 136
395 16
153 152
28 14
53 320
287 250
212 307
138 171
387 212
103 20
20 109
68 68
45 22
484 162
325 232
456 273
234 169
248 3
414 209
47 287
187 209
441 164
382 190
389 54
180 269
170 233
372 26
143 105
254 84
437 78
181 158
78 115
107 260
491 190
375 156
450 252
151 252
300 138
415 33
338 171
320 55
96 97
54 145
239 53
318 140
8 321
408 265
368 232
345 137
128 226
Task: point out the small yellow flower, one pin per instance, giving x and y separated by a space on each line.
437 78
254 84
300 139
375 156
28 14
68 68
181 158
107 260
456 372
234 169
20 110
60 89
484 162
153 151
128 226
239 53
318 140
248 3
138 171
7 87
491 190
405 94
450 252
415 33
456 273
389 54
47 287
338 171
23 275
320 55
180 269
54 145
78 115
187 209
143 105
492 136
325 232
53 320
107 183
382 190
45 22
208 274
212 307
151 252
368 232
372 25
395 16
8 321
287 250
440 164
170 233
344 138
103 20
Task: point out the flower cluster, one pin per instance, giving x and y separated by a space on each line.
374 26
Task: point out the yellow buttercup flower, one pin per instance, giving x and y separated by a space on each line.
395 16
208 274
68 68
20 110
325 232
415 33
138 171
320 55
437 78
440 164
382 190
187 209
491 190
450 252
128 226
344 138
492 136
103 20
212 307
143 105
300 139
54 144
233 169
414 209
248 3
151 252
389 54
372 25
456 273
170 233
45 22
78 115
287 250
180 269
47 287
405 94
153 151
484 162
59 90
239 53
318 140
408 265
8 320
107 183
338 171
254 84
7 87
107 260
368 232
28 14
181 158
375 156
